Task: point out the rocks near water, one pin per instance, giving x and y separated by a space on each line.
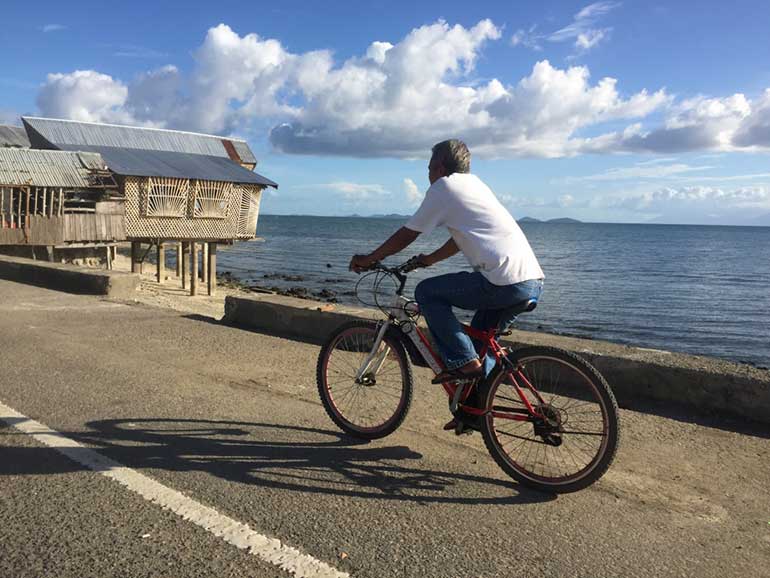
227 279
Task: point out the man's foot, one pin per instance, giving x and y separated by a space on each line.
458 426
470 371
465 424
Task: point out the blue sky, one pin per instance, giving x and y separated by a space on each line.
629 111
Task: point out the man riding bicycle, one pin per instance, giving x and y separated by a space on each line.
505 270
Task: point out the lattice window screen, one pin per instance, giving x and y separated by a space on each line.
211 199
249 212
166 197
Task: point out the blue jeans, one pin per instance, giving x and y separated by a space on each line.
437 295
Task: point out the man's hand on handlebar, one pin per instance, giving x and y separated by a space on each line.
359 263
416 262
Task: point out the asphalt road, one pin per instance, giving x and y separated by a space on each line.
231 419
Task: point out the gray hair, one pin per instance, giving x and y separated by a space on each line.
453 155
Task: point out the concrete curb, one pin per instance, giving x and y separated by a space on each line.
115 284
706 385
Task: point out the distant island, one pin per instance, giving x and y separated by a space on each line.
522 220
561 220
404 217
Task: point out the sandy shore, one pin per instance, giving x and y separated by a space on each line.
170 293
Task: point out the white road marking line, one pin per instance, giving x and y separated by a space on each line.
231 531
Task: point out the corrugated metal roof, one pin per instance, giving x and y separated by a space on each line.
47 168
13 136
152 163
47 132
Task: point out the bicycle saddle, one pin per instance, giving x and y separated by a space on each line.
522 307
515 310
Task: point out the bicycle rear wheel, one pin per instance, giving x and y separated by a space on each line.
376 404
574 442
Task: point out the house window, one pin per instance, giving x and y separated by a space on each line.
211 199
166 197
249 211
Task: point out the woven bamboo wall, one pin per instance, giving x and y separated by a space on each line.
183 209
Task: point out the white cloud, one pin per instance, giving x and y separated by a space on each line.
529 38
414 195
590 38
352 191
696 199
134 51
565 201
640 171
84 95
398 99
53 27
582 30
378 50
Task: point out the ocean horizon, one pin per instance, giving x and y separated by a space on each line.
525 219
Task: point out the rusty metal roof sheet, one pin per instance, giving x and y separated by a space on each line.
57 133
47 168
13 136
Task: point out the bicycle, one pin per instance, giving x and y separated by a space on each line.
548 418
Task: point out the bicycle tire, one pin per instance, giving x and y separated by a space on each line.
597 390
368 330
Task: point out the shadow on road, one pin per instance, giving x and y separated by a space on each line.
278 456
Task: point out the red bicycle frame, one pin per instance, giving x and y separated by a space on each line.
488 339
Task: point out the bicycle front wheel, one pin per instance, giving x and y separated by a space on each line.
573 441
371 405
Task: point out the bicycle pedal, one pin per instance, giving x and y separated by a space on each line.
463 428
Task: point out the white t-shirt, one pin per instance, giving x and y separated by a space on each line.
482 227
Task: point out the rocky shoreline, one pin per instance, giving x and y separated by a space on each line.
327 295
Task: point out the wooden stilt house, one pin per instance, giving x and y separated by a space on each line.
180 187
57 199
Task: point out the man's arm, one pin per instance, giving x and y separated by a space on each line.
398 241
444 252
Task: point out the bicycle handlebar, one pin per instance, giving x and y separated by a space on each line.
398 272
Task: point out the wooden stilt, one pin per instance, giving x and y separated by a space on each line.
212 269
205 262
161 265
179 258
185 264
193 268
49 251
108 257
136 264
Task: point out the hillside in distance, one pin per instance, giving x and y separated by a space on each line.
559 220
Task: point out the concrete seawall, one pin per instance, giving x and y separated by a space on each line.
69 278
706 385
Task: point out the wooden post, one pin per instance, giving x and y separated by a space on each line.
161 258
26 217
109 256
136 265
49 251
212 269
193 268
179 258
185 264
205 263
